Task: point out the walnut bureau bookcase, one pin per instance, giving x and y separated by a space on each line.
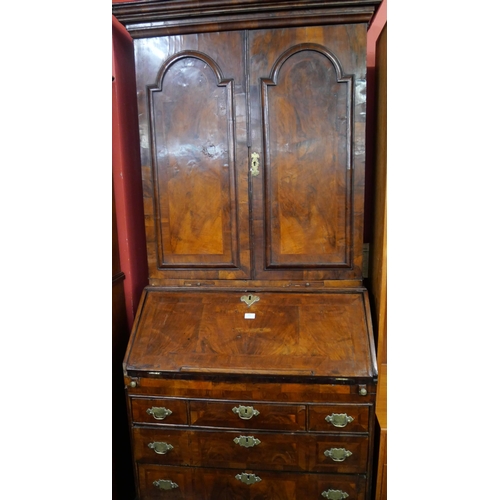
250 372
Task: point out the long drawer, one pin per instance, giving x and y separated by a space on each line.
186 483
232 449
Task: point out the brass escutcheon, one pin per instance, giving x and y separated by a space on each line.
248 478
254 169
247 441
245 412
250 299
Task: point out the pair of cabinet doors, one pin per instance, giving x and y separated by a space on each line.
252 150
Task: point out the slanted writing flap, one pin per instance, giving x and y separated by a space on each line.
280 334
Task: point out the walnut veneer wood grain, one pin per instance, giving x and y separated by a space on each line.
211 101
289 334
222 484
252 134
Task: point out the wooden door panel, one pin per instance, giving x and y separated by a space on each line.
306 223
306 114
193 163
193 105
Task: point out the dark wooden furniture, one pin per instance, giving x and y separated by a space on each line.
251 369
122 483
381 435
378 266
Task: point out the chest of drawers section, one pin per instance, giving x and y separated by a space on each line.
213 449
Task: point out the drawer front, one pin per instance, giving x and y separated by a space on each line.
163 482
322 485
248 415
159 411
219 484
160 482
160 446
347 454
251 449
339 418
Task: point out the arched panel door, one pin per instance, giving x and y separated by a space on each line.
194 166
306 227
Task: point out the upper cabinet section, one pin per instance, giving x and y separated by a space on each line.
252 129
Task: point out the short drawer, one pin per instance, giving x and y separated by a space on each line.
235 449
162 446
248 415
339 418
345 455
160 482
159 411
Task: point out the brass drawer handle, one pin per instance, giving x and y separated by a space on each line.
334 494
338 454
160 448
247 441
248 478
158 412
165 484
339 419
245 412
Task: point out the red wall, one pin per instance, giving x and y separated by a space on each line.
126 158
127 180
